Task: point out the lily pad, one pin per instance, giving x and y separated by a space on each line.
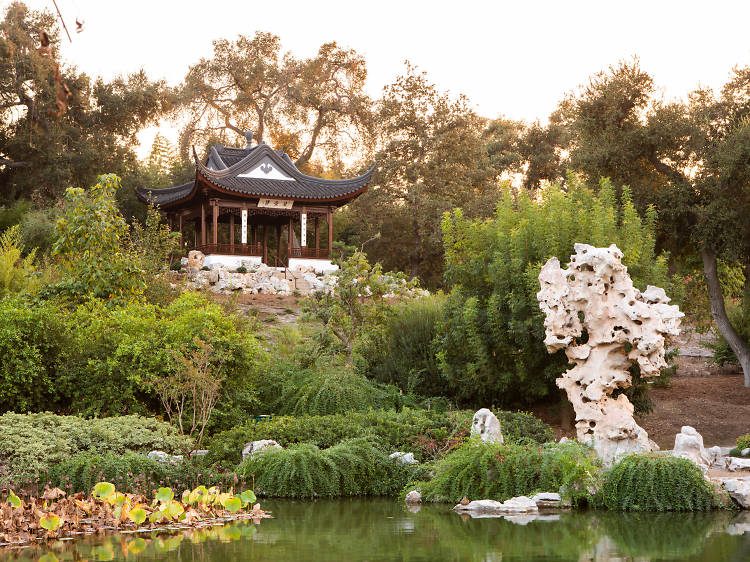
102 490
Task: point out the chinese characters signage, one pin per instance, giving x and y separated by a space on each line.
276 203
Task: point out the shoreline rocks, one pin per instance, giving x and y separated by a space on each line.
257 446
520 504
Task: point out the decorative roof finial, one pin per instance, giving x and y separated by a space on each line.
249 137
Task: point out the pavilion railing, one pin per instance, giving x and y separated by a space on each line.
232 249
304 252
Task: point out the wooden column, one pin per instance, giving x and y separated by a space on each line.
203 224
231 232
317 236
330 233
278 243
179 221
216 223
253 237
290 236
265 244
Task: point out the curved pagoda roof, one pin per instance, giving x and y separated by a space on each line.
257 172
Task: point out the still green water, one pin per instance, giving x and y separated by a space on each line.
374 529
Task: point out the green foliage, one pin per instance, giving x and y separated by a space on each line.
117 353
91 236
351 468
241 269
30 445
15 269
480 470
743 442
394 431
491 340
32 337
356 310
407 356
739 316
327 389
652 482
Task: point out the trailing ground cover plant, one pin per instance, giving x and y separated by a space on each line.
653 482
406 430
354 467
480 470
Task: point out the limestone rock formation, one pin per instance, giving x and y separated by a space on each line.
604 324
520 504
257 446
413 497
195 259
688 444
486 426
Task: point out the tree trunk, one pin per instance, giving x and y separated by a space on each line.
415 258
719 313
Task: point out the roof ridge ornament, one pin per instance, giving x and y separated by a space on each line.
249 139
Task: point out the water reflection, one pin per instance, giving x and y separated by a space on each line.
386 530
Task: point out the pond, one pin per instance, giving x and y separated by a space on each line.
383 529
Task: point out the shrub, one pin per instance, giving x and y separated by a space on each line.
205 268
651 482
480 470
407 358
241 269
176 266
329 389
31 340
351 468
743 442
30 444
394 431
491 338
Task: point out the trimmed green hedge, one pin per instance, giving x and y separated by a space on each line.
395 431
480 470
653 482
30 444
354 467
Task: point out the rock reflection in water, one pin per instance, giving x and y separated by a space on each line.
386 530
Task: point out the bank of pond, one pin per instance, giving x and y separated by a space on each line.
344 455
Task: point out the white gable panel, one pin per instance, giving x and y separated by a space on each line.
266 169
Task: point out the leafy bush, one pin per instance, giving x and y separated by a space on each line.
351 468
394 431
30 444
743 442
176 266
740 319
327 389
241 269
480 470
491 340
407 358
651 482
31 340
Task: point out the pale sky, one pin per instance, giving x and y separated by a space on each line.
516 58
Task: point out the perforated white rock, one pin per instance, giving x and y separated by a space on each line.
604 324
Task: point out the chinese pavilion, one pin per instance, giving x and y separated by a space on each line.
242 200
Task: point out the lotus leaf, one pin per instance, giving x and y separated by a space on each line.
14 500
49 521
233 504
137 515
102 490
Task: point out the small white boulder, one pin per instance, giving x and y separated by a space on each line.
689 444
486 426
413 497
257 446
403 458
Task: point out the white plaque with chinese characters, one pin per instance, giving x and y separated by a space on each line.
276 203
244 226
303 229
